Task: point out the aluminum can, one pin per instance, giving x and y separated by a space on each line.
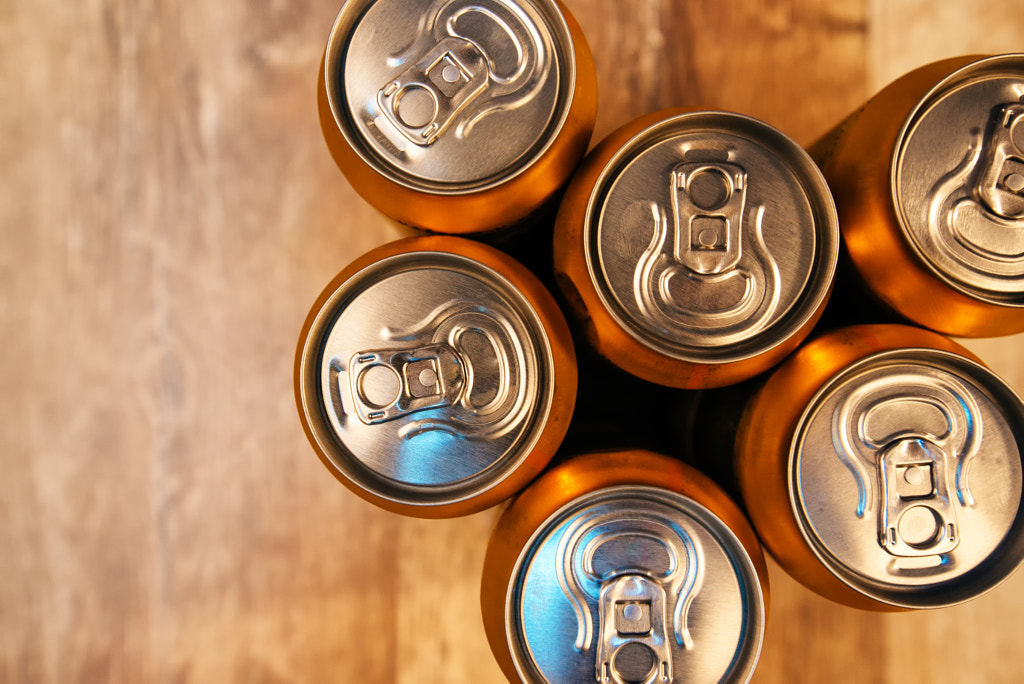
881 466
457 116
696 249
622 567
928 179
435 376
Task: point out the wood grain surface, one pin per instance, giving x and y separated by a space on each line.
170 211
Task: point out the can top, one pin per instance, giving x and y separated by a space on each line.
905 477
711 237
426 378
450 96
958 179
634 584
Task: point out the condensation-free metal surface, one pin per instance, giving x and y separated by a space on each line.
434 377
959 179
635 584
905 477
711 237
450 95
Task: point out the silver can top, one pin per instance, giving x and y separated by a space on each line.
634 584
905 477
450 96
711 237
958 179
426 378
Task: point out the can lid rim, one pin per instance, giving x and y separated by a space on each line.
363 477
755 627
337 42
1008 554
804 308
954 80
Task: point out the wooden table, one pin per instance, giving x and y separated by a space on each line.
169 213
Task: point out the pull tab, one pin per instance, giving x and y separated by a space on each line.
708 200
975 212
913 438
390 384
917 514
425 98
695 279
634 644
496 49
643 571
1001 183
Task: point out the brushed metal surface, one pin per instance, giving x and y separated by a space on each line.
905 477
959 179
711 237
170 212
426 377
450 95
635 584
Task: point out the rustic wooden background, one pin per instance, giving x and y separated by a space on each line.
170 211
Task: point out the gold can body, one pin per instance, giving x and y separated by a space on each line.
395 443
646 262
637 473
446 201
867 162
789 422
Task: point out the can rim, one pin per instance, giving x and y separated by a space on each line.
811 300
930 98
363 478
1001 562
736 552
347 19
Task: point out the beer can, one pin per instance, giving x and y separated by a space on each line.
928 179
435 376
624 566
457 116
881 466
696 248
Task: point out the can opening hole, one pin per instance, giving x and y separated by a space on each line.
634 662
